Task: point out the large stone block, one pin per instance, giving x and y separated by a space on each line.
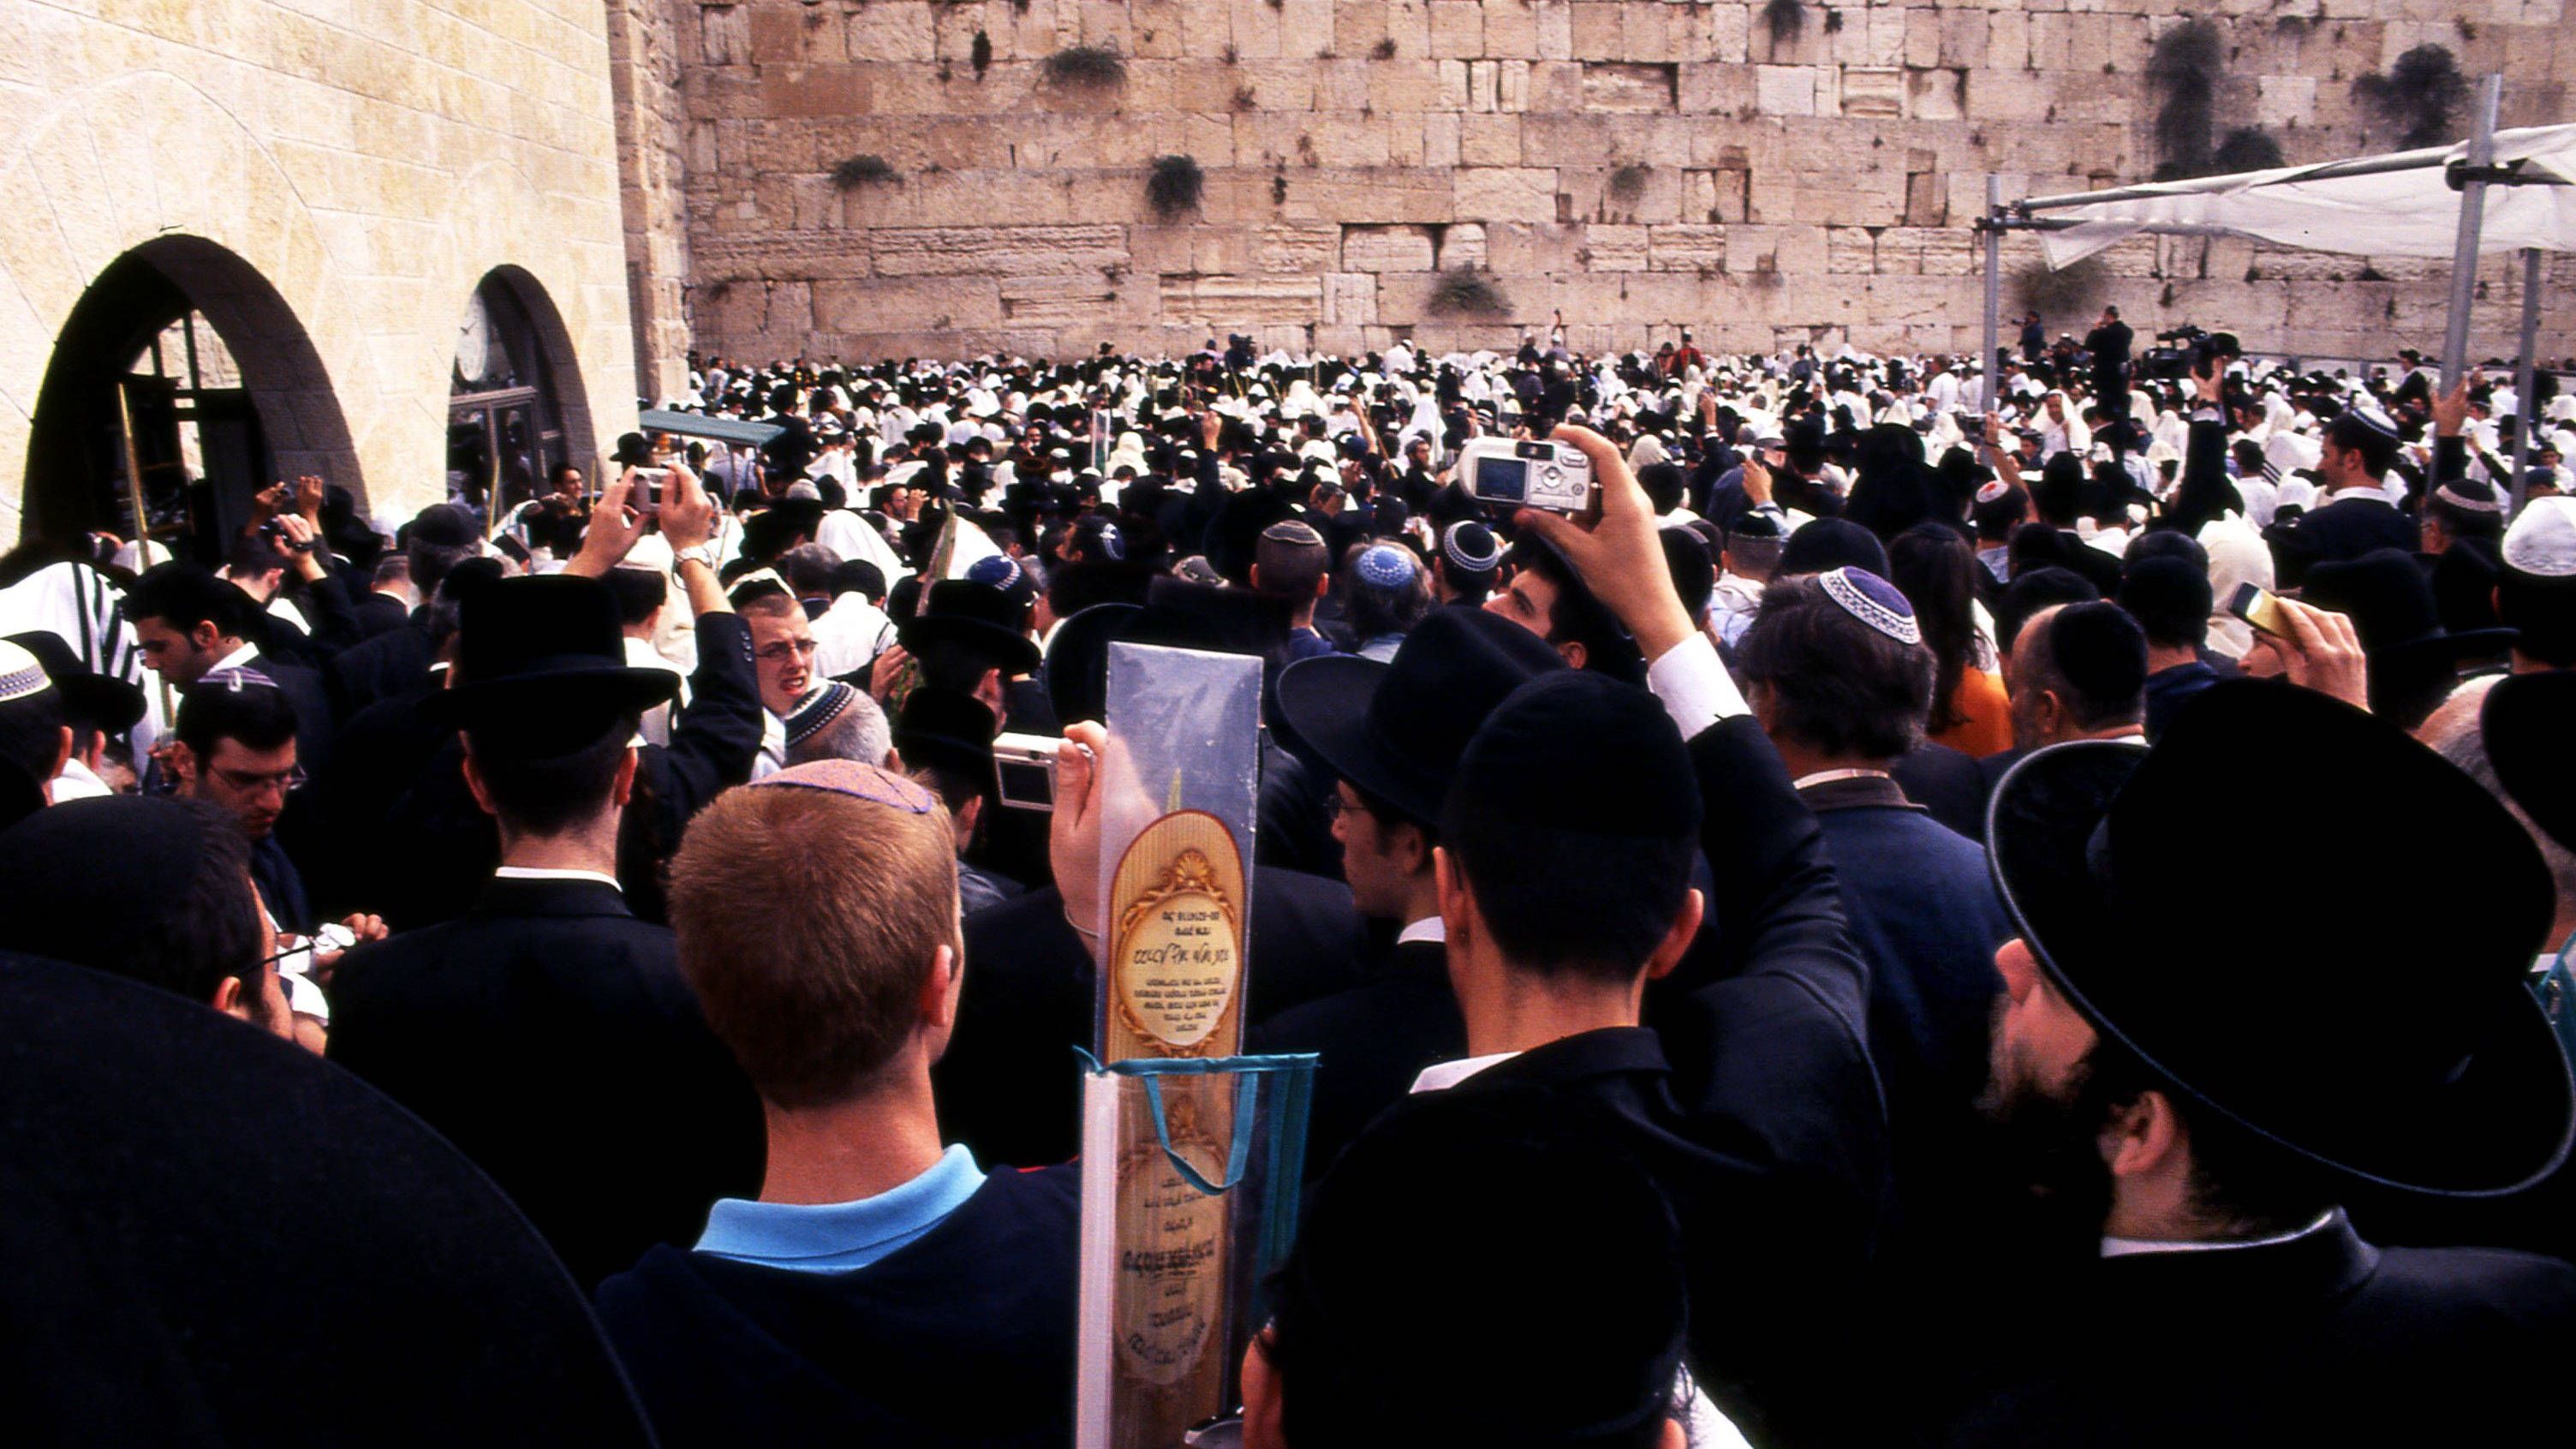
1386 249
1022 250
1622 87
907 303
1458 29
1615 248
1785 90
1504 193
1224 301
1687 247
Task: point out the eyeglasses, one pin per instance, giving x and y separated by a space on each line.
789 649
246 783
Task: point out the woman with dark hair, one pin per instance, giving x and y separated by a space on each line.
1936 570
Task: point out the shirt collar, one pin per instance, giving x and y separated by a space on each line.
530 872
241 658
2132 1247
1429 928
1441 1076
841 1236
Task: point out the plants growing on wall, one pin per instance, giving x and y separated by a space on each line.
852 172
1085 68
2245 149
1173 185
1786 20
980 54
2069 292
2419 97
1628 183
1466 292
2183 71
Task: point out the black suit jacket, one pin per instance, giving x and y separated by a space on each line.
548 1034
379 614
2322 1340
1008 1086
387 666
316 723
2337 531
1769 1032
1373 1041
1771 1250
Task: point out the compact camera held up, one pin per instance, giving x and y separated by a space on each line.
1509 473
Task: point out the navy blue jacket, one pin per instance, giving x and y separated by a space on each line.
963 1337
1924 912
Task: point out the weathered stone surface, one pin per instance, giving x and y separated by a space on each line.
1807 187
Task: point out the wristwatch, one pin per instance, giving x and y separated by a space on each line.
704 553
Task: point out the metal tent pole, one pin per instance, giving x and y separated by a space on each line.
2473 211
1989 365
2525 365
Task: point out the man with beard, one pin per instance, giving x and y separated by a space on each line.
2191 1107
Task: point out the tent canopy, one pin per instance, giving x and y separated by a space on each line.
2397 205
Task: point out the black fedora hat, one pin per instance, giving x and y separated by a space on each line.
947 729
977 617
1395 731
2393 608
2391 1043
545 654
109 703
2528 721
1077 661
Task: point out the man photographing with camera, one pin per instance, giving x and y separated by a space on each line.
1741 1080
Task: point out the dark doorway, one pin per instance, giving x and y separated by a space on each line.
515 410
183 367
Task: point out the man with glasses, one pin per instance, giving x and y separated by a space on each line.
235 748
782 659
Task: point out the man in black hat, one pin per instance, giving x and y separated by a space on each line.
1543 593
2356 515
972 638
946 740
547 1031
2191 1109
94 708
1392 733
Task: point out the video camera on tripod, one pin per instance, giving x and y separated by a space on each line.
2187 349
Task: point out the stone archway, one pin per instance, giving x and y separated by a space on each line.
516 386
279 418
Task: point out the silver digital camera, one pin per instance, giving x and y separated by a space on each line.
1510 473
1024 771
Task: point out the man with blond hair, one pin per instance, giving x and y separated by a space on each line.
881 1285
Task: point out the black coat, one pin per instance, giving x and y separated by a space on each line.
2322 1340
1948 784
1009 1087
386 666
379 614
548 1034
2336 531
1373 1040
1773 1253
963 1337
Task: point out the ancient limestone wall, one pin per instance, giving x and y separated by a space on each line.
1643 165
340 176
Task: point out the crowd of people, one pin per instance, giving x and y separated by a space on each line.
1972 904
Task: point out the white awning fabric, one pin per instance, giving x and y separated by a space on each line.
2397 205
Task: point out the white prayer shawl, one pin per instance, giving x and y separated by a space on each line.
77 603
853 538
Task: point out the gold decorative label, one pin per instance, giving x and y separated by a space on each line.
1177 963
1171 1263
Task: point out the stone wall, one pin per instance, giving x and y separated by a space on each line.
335 179
1643 165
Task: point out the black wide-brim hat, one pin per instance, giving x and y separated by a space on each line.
1077 661
2365 1031
108 702
973 616
1396 731
544 655
2529 721
948 729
